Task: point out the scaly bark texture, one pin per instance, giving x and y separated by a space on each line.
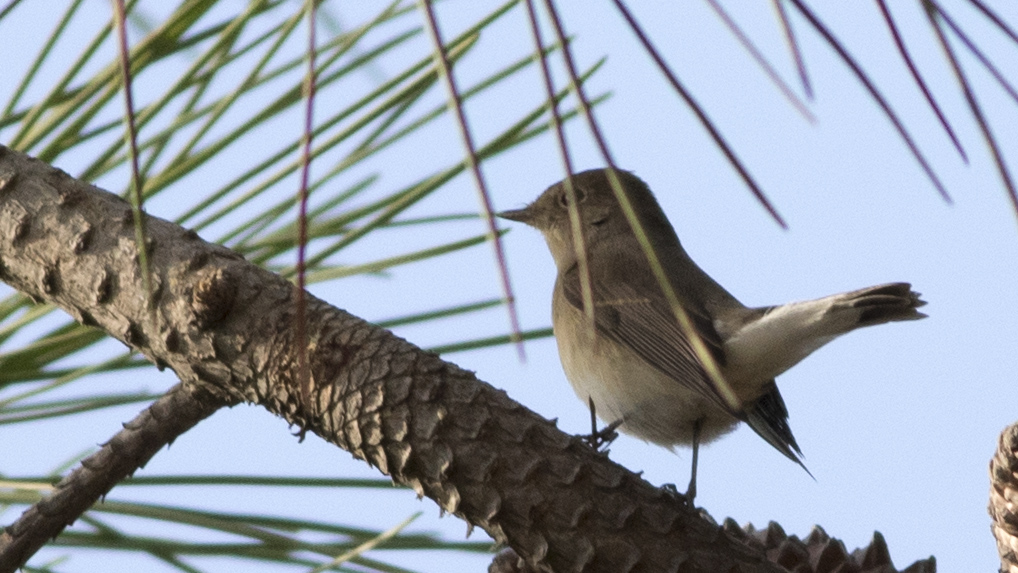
1004 498
818 552
226 327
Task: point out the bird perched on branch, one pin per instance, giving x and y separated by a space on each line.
653 343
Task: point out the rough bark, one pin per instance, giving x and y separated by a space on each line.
171 415
1004 498
226 327
818 552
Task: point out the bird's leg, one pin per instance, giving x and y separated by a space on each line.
599 439
691 491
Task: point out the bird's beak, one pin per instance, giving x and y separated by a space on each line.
519 215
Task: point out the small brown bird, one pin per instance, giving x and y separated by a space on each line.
635 363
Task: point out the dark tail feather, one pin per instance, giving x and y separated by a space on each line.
768 417
886 303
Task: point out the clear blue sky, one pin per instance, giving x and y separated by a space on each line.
897 422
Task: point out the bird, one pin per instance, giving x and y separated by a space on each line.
631 358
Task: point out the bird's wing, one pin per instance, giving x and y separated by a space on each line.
646 325
768 417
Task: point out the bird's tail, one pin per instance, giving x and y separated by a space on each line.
842 313
884 303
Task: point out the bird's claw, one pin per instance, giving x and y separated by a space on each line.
671 491
603 438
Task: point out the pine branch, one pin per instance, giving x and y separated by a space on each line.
225 327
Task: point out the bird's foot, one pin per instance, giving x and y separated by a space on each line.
599 440
671 491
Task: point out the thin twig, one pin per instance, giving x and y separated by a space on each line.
8 8
302 219
932 11
700 113
900 43
761 61
488 211
1011 91
870 87
586 288
793 46
137 195
995 19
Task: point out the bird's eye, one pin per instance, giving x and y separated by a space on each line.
563 197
